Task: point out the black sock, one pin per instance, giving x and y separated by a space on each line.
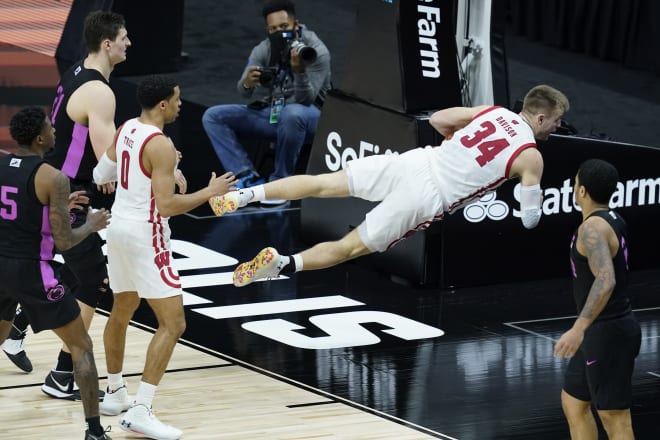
94 426
20 321
64 362
290 267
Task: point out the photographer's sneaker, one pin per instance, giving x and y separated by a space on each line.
267 264
15 351
230 201
115 402
139 419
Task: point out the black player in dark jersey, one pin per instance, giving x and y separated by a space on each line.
34 220
83 115
605 338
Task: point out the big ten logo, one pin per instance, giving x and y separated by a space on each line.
341 329
339 155
486 206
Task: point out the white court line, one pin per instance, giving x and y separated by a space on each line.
512 324
244 212
653 374
573 316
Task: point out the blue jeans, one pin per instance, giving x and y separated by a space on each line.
224 124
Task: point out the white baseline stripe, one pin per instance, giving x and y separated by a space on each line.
653 374
271 307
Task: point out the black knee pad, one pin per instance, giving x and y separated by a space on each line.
87 264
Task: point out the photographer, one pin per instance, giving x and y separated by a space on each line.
287 77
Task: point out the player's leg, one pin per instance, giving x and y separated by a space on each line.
617 424
580 419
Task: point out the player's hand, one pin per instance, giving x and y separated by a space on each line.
223 184
98 219
569 343
77 199
106 188
181 181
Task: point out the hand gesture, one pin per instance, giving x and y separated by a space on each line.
98 219
106 188
569 343
181 181
77 199
223 184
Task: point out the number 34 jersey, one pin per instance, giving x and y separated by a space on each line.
134 199
477 158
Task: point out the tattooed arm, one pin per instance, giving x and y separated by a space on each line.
53 189
595 242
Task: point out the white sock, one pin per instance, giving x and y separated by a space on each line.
258 193
115 381
145 394
297 261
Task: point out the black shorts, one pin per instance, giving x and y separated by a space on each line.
85 269
47 303
601 370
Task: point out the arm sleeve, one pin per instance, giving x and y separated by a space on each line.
105 171
530 205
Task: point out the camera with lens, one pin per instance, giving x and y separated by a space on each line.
307 54
268 75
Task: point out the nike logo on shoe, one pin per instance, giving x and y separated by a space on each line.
63 388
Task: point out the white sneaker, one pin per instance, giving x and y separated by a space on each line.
267 264
140 420
230 201
115 402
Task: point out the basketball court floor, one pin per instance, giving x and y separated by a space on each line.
342 353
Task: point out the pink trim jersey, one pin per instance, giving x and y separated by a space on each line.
478 157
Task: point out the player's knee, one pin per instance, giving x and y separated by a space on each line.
174 327
615 421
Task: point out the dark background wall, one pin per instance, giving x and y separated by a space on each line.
608 98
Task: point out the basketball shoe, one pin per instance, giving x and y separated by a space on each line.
267 264
61 385
104 436
230 201
139 419
14 348
115 402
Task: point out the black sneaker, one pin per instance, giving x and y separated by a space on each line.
13 348
104 436
61 385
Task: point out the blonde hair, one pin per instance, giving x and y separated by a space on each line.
545 99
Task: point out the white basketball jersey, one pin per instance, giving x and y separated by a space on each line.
134 199
478 157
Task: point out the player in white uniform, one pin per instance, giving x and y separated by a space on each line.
143 162
483 147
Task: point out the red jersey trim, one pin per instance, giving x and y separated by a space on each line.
144 144
514 155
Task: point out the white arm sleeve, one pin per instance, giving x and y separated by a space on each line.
530 205
105 171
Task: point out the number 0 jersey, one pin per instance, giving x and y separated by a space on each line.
478 157
134 199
